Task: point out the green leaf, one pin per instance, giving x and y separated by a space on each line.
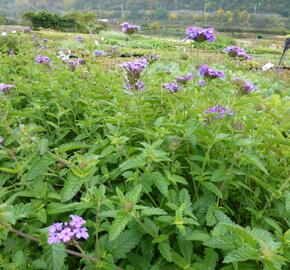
72 146
242 254
165 251
151 211
71 187
43 146
151 227
160 182
210 259
133 163
123 244
118 225
55 256
39 166
134 195
58 208
213 188
253 160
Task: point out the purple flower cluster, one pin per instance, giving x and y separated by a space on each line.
184 78
133 73
235 51
79 39
219 111
65 232
75 62
245 86
130 29
99 53
208 72
199 34
42 59
171 87
5 88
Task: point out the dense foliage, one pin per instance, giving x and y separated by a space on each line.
161 180
71 22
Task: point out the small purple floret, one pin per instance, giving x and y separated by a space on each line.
219 111
201 83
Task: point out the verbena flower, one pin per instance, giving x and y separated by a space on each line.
199 34
79 39
201 83
171 87
208 72
5 88
237 52
130 29
99 53
245 87
133 73
184 78
219 111
152 58
74 62
67 231
42 59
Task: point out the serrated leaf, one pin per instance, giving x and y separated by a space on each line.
151 211
133 163
71 187
151 227
210 259
58 208
123 244
212 188
38 167
242 254
55 256
165 251
160 182
134 195
118 225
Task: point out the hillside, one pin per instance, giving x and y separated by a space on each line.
260 6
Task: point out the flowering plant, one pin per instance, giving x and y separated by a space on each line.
130 29
5 88
67 231
208 72
219 111
42 59
237 52
199 34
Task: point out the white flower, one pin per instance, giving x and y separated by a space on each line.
97 43
14 32
267 66
4 34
